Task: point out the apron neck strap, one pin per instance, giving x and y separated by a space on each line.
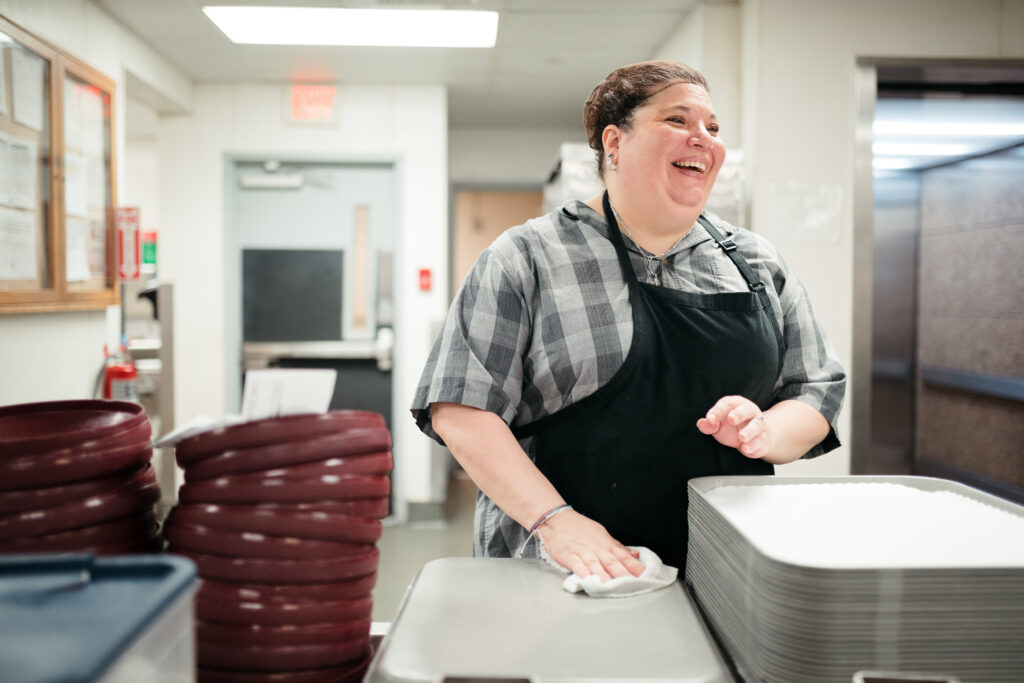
753 281
729 247
616 237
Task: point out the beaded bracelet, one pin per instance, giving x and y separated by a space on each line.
548 515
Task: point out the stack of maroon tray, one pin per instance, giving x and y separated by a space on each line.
75 477
282 517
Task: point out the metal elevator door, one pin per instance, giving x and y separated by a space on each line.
938 243
311 255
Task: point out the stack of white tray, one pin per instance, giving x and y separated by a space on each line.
811 579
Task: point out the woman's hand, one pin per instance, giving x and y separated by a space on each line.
778 435
585 547
737 422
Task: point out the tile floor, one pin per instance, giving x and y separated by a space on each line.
405 548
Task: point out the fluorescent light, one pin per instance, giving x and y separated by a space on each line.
364 27
891 164
948 128
921 149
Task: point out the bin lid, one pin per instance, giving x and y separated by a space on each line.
68 618
488 618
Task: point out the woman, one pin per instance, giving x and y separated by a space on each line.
602 355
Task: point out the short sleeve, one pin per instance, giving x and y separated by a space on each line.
477 360
811 372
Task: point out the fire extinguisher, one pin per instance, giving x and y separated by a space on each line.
120 378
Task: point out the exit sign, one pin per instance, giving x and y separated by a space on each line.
312 103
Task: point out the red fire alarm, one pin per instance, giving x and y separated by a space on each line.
424 279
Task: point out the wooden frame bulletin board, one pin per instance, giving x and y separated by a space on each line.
57 194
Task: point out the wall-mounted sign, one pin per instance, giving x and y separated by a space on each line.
128 247
312 103
149 248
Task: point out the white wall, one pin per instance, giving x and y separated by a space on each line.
799 111
140 184
405 123
56 355
507 156
708 39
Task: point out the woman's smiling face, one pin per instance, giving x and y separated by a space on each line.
670 155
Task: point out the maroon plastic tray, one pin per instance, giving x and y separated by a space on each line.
240 461
352 589
351 672
201 539
123 548
286 634
256 488
29 428
132 529
49 496
280 611
281 658
46 470
273 430
379 462
280 520
135 435
372 508
135 495
138 548
246 570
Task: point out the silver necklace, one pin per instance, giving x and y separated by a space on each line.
649 257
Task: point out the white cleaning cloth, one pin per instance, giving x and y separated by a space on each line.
655 576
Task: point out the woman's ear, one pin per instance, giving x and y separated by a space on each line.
610 138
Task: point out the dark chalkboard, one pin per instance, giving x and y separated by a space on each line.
291 295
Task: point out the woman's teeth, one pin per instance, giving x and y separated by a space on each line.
696 165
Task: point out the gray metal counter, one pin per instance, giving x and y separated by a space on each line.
486 618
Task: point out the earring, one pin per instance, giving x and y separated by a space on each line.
611 163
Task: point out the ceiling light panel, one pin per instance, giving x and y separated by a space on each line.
948 128
355 27
921 149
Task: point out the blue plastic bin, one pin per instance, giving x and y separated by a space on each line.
112 620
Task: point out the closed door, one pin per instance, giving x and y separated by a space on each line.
311 260
482 215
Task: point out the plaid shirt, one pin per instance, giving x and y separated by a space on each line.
543 319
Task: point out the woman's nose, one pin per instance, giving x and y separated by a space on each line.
700 137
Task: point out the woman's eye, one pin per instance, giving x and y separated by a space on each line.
676 119
713 129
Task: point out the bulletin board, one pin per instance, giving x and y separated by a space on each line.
57 196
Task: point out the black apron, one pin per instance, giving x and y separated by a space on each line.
623 455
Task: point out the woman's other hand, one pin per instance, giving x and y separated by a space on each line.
582 545
737 422
778 435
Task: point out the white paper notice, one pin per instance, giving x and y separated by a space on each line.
28 85
18 172
93 143
95 185
275 392
97 246
3 81
73 134
808 213
76 232
17 245
74 184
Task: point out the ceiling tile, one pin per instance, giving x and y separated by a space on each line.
550 53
